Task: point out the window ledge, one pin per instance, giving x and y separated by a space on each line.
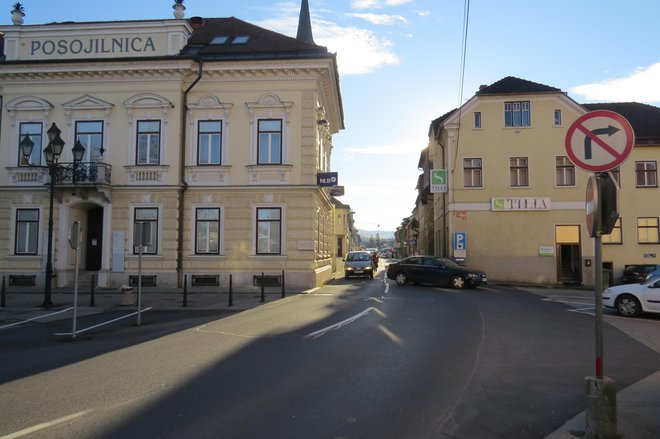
208 175
276 174
146 174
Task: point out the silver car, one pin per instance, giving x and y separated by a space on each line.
358 263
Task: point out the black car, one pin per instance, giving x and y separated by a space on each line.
435 271
637 273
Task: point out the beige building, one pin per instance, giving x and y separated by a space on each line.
515 204
211 131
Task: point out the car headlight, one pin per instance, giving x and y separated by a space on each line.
473 275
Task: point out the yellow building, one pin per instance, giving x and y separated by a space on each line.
209 130
515 204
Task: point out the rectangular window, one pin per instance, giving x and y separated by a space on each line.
472 171
269 231
207 231
646 174
518 172
209 142
615 237
557 118
147 215
269 145
34 131
90 135
27 232
564 172
517 114
647 230
477 119
148 142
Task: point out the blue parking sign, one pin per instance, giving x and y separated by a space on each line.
460 241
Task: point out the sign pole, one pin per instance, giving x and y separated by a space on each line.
598 291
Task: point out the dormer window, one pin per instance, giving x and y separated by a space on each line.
222 39
241 39
226 39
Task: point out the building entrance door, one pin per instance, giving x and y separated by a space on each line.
93 245
569 256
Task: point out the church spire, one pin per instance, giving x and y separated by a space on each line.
305 24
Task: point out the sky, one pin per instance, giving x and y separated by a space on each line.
401 65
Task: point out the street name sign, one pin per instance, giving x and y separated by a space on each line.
599 141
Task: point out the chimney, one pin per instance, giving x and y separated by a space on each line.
196 22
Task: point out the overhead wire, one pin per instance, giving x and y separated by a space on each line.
466 22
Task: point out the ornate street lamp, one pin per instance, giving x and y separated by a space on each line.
52 154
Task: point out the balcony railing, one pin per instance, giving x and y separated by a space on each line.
84 173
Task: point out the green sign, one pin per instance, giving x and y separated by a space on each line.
438 180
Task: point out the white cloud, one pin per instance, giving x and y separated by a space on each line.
640 86
376 4
359 51
381 18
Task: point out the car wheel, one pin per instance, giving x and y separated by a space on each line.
401 278
458 282
628 306
346 276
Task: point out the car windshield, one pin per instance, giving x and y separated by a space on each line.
358 257
651 279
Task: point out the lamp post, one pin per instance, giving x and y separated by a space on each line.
52 154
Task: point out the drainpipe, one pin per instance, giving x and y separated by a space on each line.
182 174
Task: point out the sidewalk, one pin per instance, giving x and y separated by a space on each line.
27 305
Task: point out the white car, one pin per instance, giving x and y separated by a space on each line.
631 300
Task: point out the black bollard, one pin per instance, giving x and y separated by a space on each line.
91 292
263 294
231 292
185 290
3 294
283 290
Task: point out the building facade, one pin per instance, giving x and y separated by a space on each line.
208 132
515 205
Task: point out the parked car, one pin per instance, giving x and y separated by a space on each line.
358 263
630 300
434 271
637 273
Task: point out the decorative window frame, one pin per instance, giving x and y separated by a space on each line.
40 229
159 230
147 106
89 108
269 106
283 234
193 230
26 109
208 107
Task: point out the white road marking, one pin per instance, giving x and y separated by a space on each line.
104 323
35 318
321 332
44 425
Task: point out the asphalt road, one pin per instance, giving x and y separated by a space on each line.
356 359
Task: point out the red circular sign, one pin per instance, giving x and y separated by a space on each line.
599 141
